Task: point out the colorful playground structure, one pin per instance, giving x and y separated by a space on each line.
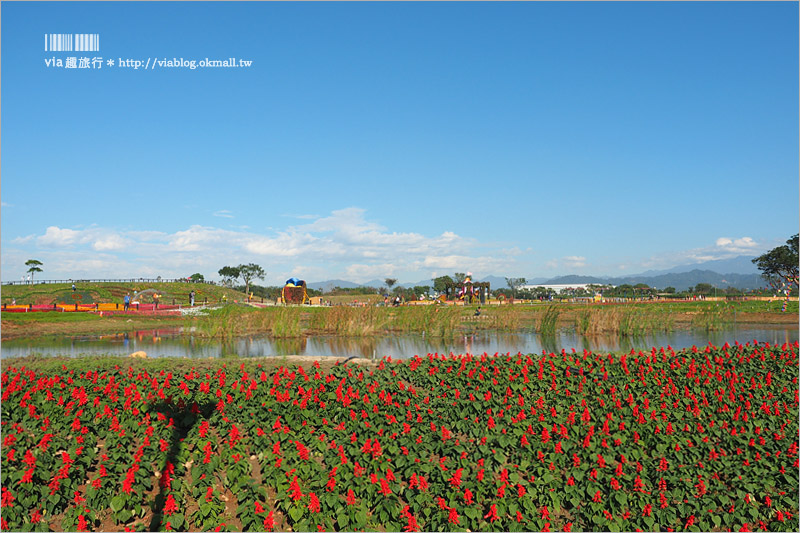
294 292
467 290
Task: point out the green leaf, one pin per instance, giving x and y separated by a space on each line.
117 503
361 518
296 513
621 498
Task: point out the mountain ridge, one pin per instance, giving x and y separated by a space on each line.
739 273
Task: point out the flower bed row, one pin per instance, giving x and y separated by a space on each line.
701 439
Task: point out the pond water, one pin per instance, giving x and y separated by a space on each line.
171 343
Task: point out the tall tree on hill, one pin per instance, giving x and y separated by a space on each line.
33 266
229 275
779 266
390 282
250 272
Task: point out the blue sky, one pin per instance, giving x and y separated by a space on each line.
405 140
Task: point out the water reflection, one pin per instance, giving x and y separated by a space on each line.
170 343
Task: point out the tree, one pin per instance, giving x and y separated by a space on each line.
250 272
440 283
229 275
514 284
33 266
197 278
669 290
389 282
419 290
703 288
779 266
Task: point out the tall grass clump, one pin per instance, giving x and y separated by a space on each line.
503 318
355 321
548 323
584 321
442 320
432 320
625 321
286 323
715 318
224 322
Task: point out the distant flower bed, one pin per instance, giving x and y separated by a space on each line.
702 439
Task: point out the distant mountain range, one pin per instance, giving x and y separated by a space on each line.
738 272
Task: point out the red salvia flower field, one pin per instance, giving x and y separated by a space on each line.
704 439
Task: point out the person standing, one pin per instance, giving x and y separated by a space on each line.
191 299
73 287
127 301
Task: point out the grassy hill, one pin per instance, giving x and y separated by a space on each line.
50 293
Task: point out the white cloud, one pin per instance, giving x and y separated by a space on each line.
224 213
364 272
574 261
743 245
723 248
570 262
57 237
342 244
111 242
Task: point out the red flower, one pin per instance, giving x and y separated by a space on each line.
467 496
453 516
313 505
598 496
170 506
7 499
269 521
302 451
294 487
351 497
492 514
412 524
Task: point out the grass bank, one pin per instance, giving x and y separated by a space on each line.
233 320
177 292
